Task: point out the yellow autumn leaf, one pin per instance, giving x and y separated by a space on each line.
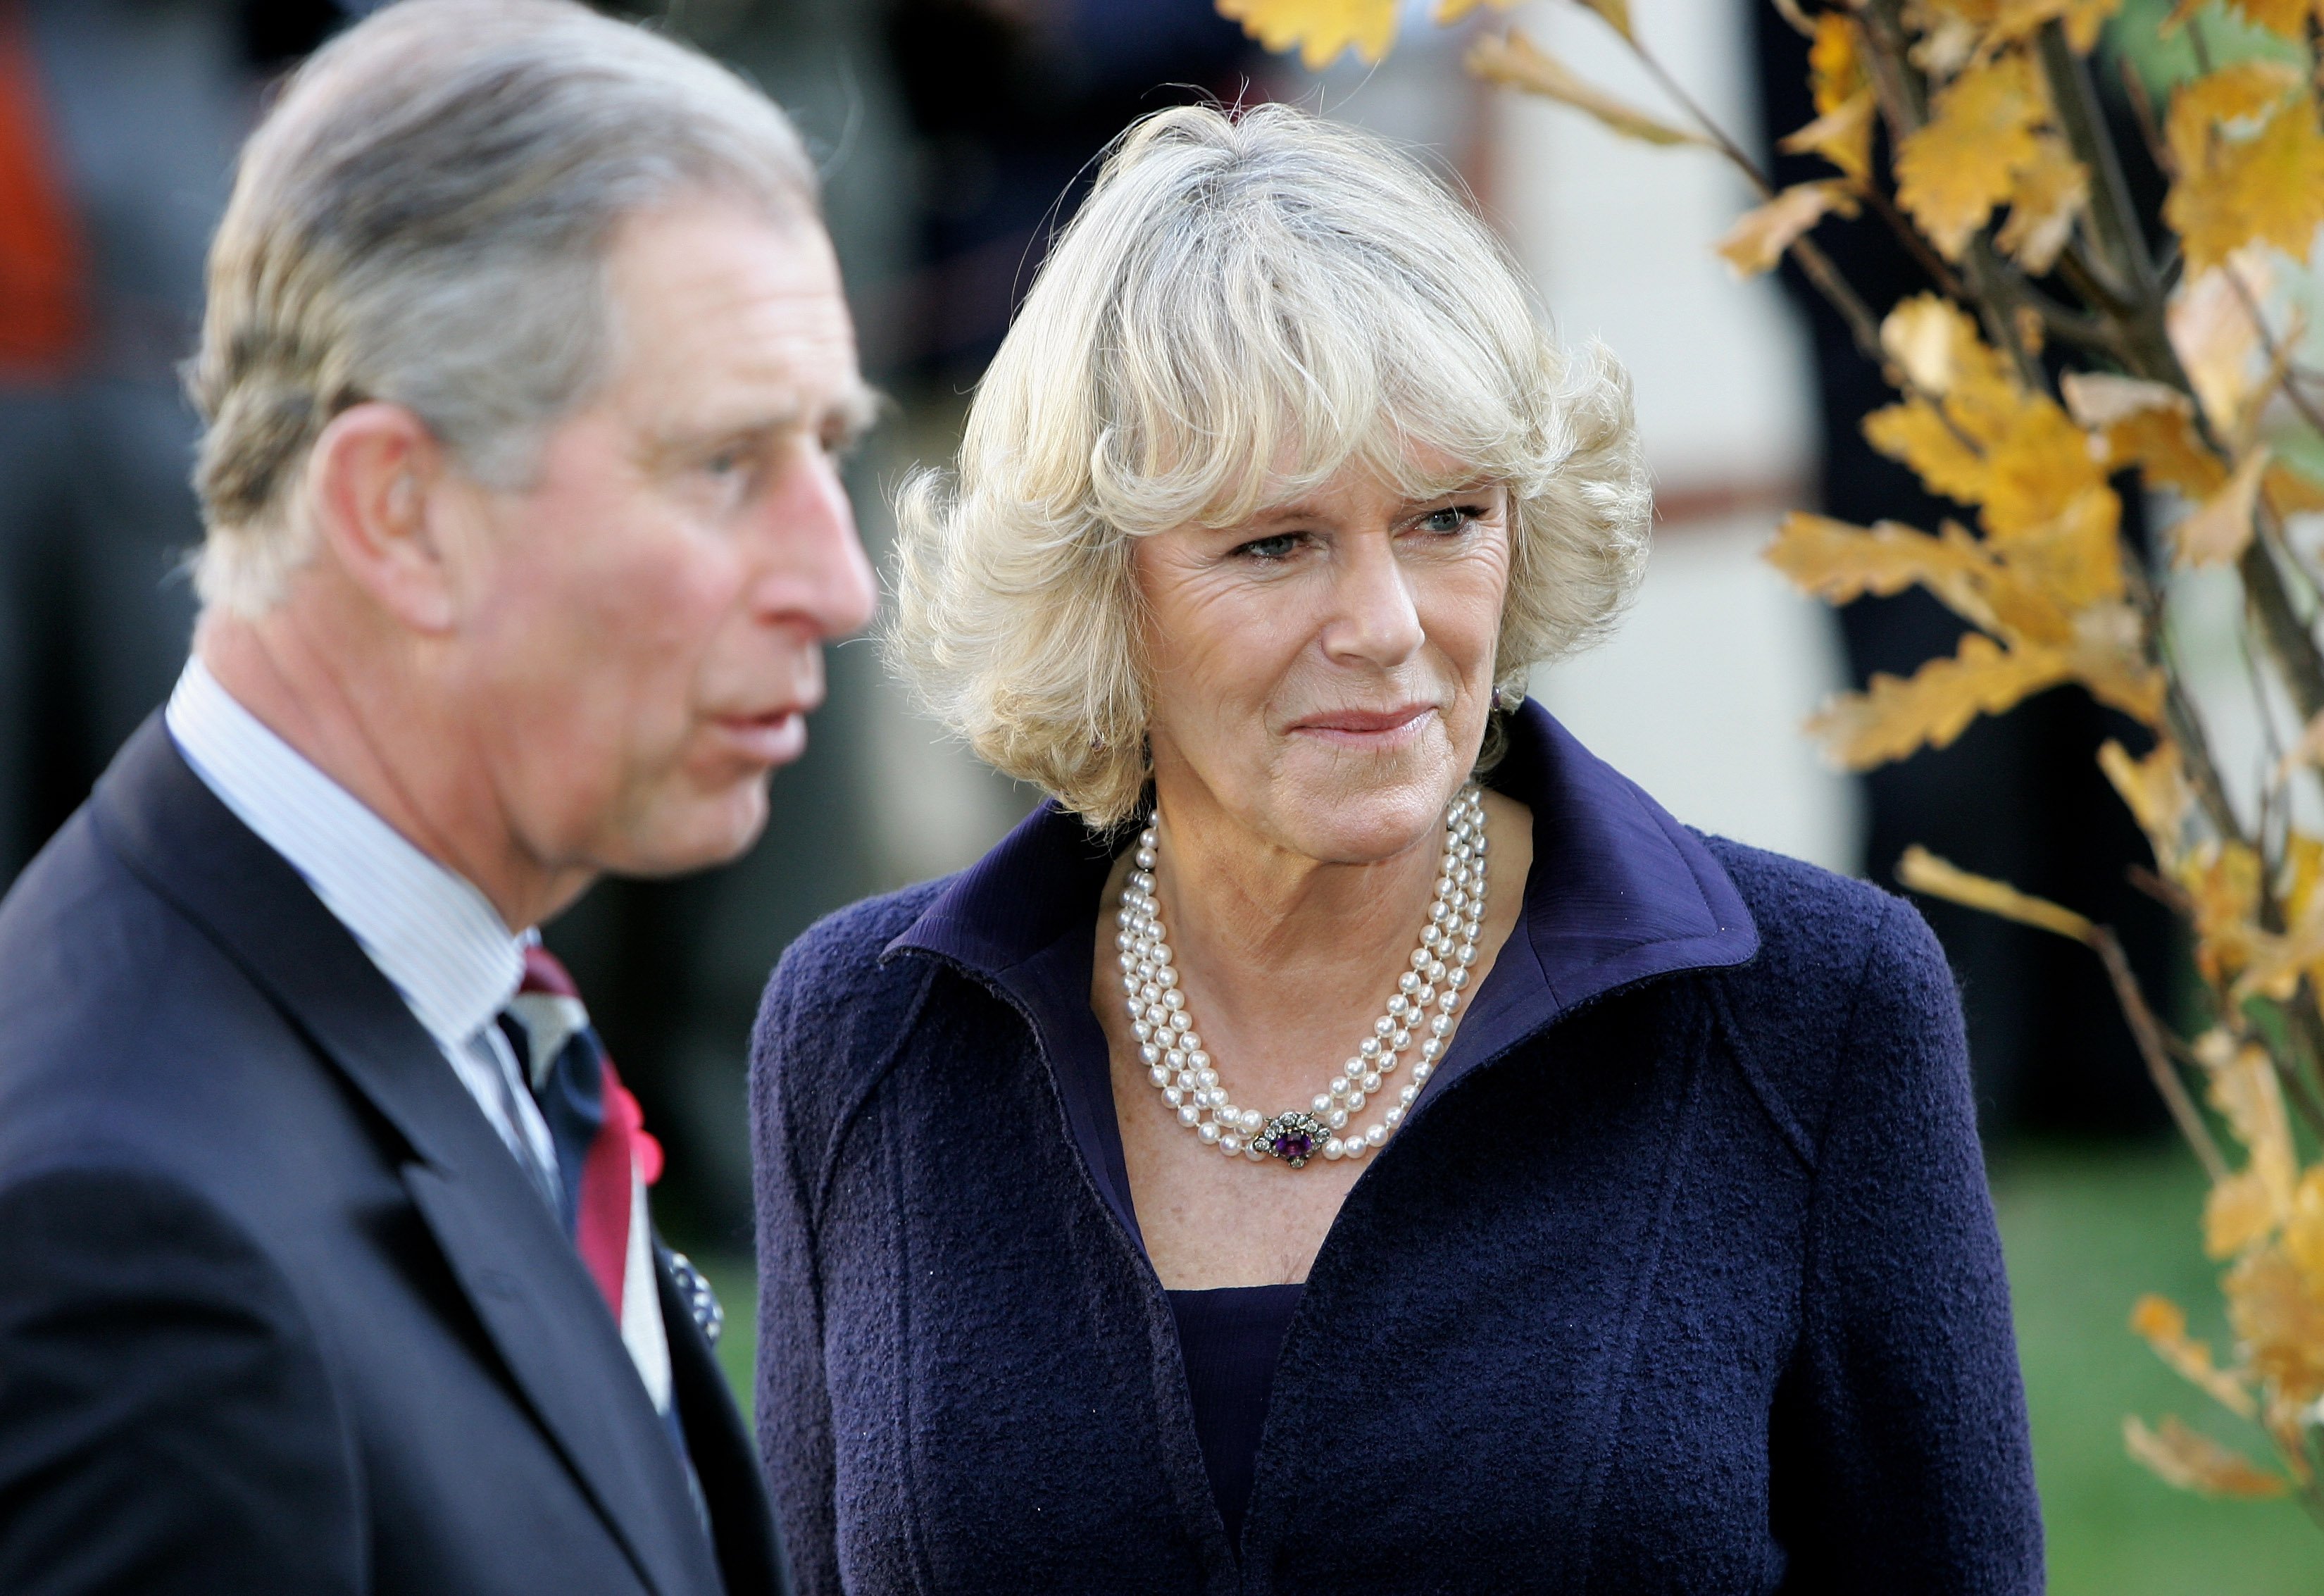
2278 1315
2155 790
1841 135
2221 881
1514 61
2212 332
2286 19
2160 1322
1951 172
2167 452
2290 491
2235 98
1321 29
1897 716
2178 1456
1923 872
1449 12
2304 1231
2238 1214
2041 470
1760 236
2235 188
2108 657
2220 529
2045 197
2246 1094
2082 19
1840 562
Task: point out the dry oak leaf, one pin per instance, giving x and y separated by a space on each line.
1952 171
2239 1212
2149 425
2082 19
1836 62
1897 716
1924 872
2180 1457
2213 333
2291 490
1514 61
1841 135
2222 882
1838 563
2247 1095
2163 1326
2233 188
2155 790
1321 29
2278 1316
2285 18
2221 528
2051 191
1759 237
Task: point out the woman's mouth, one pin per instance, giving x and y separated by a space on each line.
1371 730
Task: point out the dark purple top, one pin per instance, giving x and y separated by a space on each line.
1229 1339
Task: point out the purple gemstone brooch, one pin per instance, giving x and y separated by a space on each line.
1295 1137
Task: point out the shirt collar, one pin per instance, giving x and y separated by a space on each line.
431 933
1619 892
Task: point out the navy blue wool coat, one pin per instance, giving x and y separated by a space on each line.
1680 1277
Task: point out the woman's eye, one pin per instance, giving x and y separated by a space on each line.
725 463
1451 519
1278 547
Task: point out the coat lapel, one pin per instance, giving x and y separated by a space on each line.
519 1274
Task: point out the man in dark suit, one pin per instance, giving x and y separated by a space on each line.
325 1259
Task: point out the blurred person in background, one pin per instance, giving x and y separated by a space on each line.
1636 1234
326 1262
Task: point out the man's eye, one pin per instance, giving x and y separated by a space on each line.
1278 547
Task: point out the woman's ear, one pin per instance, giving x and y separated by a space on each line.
373 484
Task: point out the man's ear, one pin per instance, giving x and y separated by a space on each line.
375 485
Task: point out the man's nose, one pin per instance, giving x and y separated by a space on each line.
1375 621
818 570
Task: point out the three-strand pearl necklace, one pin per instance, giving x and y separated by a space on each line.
1426 995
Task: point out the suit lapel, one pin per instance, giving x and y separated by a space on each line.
519 1274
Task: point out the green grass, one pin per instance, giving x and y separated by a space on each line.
2086 1231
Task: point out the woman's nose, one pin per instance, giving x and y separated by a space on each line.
1375 621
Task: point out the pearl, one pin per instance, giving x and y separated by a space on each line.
1163 1023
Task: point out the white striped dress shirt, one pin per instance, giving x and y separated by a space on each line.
438 941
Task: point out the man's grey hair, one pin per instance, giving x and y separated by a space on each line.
423 219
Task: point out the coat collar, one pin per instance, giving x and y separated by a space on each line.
523 1278
1620 893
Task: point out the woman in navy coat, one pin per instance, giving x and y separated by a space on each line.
1348 1139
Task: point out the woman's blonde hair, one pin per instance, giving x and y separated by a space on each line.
1244 304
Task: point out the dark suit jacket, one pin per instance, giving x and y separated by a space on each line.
278 1311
